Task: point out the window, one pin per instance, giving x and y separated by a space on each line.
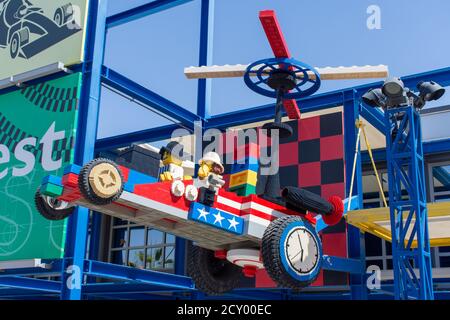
440 191
141 247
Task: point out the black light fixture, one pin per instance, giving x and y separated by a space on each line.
430 90
374 98
394 94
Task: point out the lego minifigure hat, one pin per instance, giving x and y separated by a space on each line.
214 158
174 148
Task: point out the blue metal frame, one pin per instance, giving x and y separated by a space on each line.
405 163
145 284
77 230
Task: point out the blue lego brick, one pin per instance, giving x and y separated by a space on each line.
55 180
249 164
216 218
129 187
135 178
72 168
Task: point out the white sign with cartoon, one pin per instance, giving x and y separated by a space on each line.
36 33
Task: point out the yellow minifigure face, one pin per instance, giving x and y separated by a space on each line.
168 158
204 169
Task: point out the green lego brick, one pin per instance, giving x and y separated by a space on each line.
244 190
51 190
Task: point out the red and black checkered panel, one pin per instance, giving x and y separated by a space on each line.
313 159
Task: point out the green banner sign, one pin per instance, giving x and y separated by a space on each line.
37 135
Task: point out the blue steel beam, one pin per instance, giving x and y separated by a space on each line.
342 264
149 135
313 103
123 288
112 271
265 112
205 57
31 284
322 101
142 11
138 92
77 229
429 148
374 116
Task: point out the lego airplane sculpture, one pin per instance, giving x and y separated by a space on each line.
302 73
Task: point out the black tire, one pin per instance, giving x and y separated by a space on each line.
58 18
270 250
85 186
47 211
14 45
211 275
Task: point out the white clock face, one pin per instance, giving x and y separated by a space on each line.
302 250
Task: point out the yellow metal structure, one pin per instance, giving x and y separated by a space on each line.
376 221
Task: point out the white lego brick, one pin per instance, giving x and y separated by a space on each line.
263 209
326 73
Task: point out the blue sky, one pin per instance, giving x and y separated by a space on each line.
154 50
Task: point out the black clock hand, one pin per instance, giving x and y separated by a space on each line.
301 247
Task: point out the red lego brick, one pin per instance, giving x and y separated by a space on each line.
243 151
331 148
274 34
226 178
70 180
335 244
263 280
160 192
291 107
288 154
333 189
309 128
263 140
70 194
125 173
319 281
309 174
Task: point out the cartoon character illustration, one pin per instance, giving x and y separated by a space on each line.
27 30
172 160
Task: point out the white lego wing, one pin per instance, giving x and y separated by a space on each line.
327 73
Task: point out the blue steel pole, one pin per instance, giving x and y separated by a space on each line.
77 230
354 236
203 100
205 57
407 202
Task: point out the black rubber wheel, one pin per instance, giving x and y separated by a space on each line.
14 46
58 18
271 255
47 211
86 188
211 275
284 130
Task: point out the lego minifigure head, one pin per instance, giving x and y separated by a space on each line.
212 160
172 153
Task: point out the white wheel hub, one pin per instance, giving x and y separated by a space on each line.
177 188
55 203
245 257
191 193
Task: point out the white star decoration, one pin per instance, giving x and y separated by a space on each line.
219 218
203 214
233 223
